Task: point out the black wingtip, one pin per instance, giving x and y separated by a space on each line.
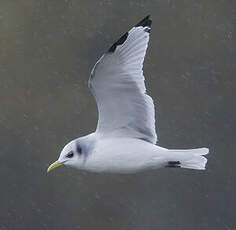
119 42
145 22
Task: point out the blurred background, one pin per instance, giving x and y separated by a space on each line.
47 50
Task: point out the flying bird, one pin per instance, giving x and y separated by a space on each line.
125 140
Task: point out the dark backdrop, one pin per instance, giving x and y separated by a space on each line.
47 49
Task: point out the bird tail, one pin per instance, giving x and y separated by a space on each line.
189 158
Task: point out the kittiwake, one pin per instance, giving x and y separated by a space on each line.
125 138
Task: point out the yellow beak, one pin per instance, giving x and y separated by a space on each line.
54 165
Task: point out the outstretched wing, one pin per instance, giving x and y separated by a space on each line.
117 83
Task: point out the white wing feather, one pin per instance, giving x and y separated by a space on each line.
117 83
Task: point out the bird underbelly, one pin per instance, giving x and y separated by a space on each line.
123 163
124 155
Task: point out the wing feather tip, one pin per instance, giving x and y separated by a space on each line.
121 40
145 22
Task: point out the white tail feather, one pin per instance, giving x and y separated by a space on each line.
190 158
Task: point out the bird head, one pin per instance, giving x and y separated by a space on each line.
75 153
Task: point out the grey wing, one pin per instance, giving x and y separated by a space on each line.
117 83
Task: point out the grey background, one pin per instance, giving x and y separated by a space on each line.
47 49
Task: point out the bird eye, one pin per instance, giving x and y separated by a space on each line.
70 155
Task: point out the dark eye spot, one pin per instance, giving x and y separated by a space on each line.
70 155
79 150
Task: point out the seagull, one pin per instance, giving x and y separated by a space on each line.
125 140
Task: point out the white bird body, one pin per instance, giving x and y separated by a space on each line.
124 155
125 138
130 155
